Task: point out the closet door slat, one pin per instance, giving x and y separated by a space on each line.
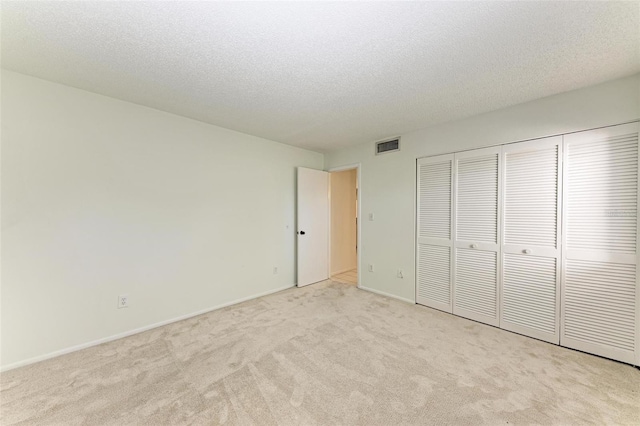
600 283
477 233
434 229
531 256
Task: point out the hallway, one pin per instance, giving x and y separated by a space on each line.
349 277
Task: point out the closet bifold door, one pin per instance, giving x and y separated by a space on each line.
476 235
530 301
434 233
600 234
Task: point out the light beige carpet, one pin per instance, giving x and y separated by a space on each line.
324 354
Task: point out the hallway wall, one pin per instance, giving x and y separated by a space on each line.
343 221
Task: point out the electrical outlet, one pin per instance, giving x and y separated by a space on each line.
123 301
400 274
370 267
275 270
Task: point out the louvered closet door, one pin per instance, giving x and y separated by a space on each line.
475 280
434 242
600 290
530 301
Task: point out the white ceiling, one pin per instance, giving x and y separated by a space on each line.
323 75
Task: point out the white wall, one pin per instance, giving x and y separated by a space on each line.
388 181
343 221
102 197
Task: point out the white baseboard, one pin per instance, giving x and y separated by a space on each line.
81 346
382 293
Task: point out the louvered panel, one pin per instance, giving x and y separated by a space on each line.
529 292
600 303
531 194
435 200
477 199
601 198
434 273
476 281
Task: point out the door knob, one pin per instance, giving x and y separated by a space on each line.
474 246
526 251
301 232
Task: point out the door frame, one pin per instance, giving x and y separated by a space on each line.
357 167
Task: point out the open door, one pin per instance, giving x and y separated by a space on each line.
313 226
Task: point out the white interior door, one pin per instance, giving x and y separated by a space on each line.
434 240
530 301
477 235
313 226
600 294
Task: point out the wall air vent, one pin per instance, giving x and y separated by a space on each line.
385 147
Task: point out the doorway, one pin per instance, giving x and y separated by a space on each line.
343 246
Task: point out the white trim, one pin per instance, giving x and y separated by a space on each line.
636 120
382 293
328 213
81 346
345 167
358 167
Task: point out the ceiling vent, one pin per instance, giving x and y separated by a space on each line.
385 147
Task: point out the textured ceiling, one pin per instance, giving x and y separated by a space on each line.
323 75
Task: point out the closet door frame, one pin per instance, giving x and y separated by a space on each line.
478 245
436 241
531 145
595 255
